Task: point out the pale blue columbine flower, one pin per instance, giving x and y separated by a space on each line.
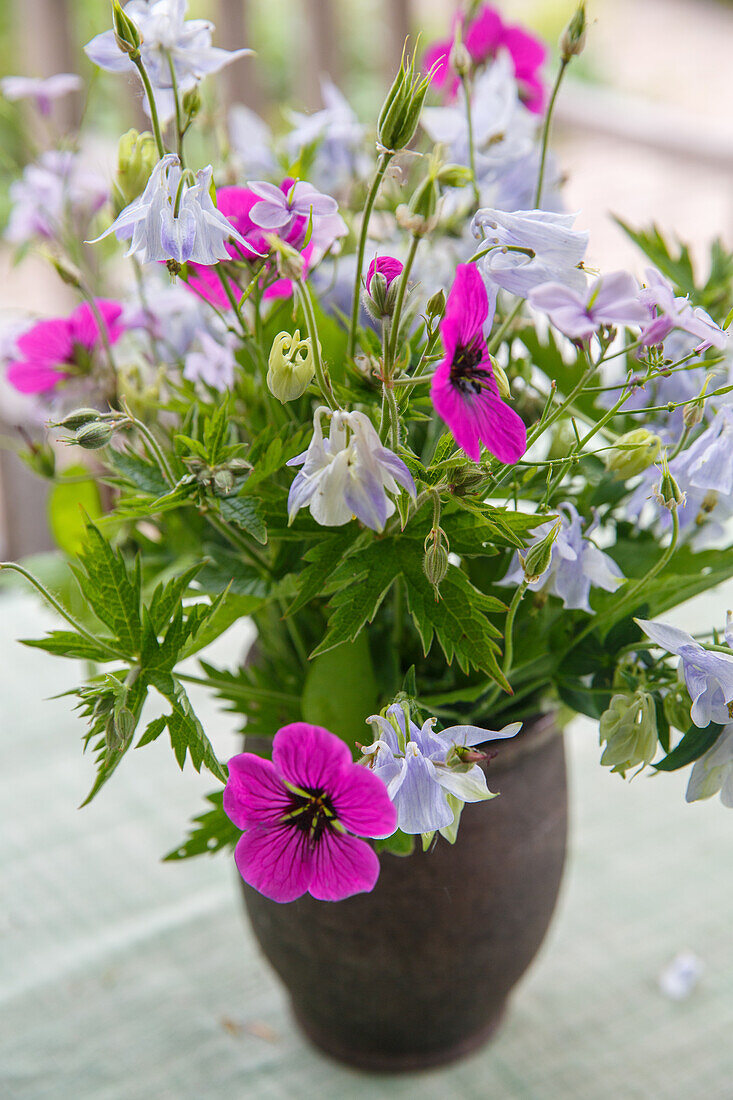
423 768
43 91
611 300
348 474
713 772
52 195
213 363
337 134
708 463
667 312
576 564
707 674
167 37
175 219
530 247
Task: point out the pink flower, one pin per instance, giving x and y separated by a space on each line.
236 204
295 812
387 266
54 349
464 390
483 37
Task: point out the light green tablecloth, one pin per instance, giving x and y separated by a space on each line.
123 978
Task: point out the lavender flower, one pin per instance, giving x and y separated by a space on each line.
49 193
532 247
708 463
174 220
610 300
167 38
279 211
576 564
214 363
422 768
43 91
713 772
707 674
349 474
668 312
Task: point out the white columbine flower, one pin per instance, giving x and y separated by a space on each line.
175 219
348 474
166 33
429 775
530 247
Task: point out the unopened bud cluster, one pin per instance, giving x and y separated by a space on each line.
91 429
667 492
221 480
290 366
629 729
400 112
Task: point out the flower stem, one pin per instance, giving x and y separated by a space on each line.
368 206
399 303
152 443
322 377
138 63
546 131
180 132
465 83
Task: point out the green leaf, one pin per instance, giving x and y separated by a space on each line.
138 472
365 577
399 844
210 832
216 429
186 732
692 746
111 590
244 512
68 503
269 453
340 691
322 559
67 643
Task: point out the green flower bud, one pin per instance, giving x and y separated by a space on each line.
435 563
572 39
629 728
667 492
291 367
537 560
501 380
127 34
677 707
454 175
633 453
400 112
67 271
460 59
93 436
137 155
192 102
436 305
78 418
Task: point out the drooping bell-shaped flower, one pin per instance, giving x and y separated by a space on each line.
666 312
713 771
707 674
349 473
175 219
531 247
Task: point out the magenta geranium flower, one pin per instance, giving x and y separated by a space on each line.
298 812
483 37
386 266
464 390
55 349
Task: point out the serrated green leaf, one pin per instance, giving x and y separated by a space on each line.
67 643
186 733
322 559
210 832
245 512
138 472
111 590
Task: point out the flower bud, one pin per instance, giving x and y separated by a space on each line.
400 112
93 436
137 155
633 453
127 34
629 728
667 492
501 380
537 560
192 102
572 39
382 282
291 367
693 414
677 707
460 59
436 305
67 271
78 419
435 563
454 175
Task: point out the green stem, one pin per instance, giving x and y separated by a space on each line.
501 332
399 303
465 83
15 568
508 640
180 131
322 377
138 63
546 132
152 443
237 541
368 206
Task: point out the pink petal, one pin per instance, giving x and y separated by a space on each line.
484 36
527 52
48 341
502 430
29 377
467 306
309 756
436 59
84 327
277 862
456 412
342 866
362 805
255 793
204 282
385 265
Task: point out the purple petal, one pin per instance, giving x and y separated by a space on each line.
362 804
255 793
277 862
668 637
342 866
309 756
467 305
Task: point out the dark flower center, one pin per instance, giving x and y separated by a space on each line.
311 812
468 373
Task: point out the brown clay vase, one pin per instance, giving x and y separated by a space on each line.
418 972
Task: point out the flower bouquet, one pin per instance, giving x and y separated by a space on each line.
359 385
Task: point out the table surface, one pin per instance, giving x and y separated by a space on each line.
125 978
